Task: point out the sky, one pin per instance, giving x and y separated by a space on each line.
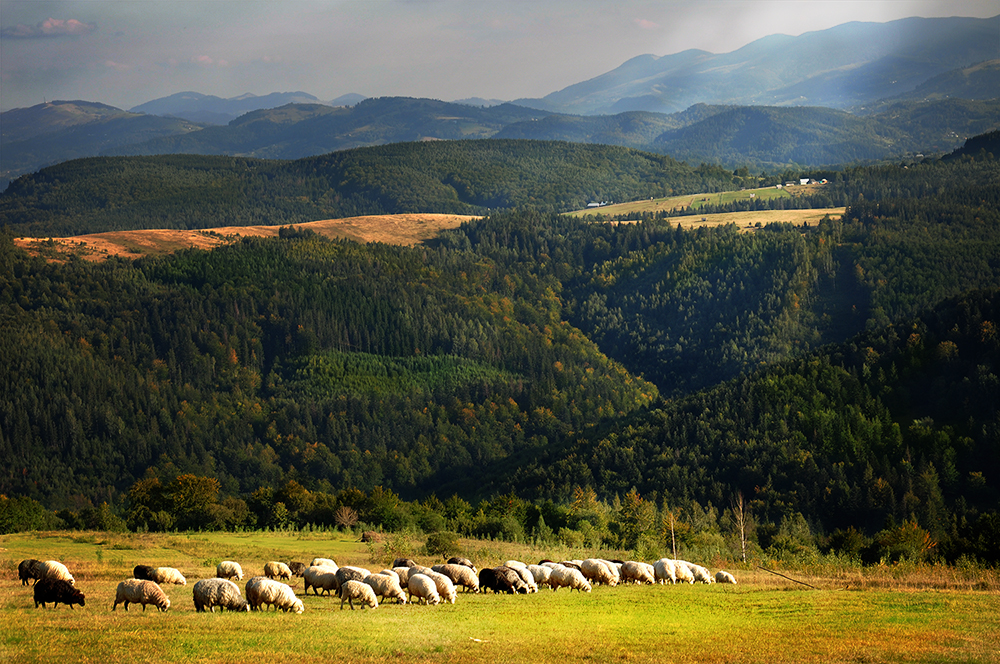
127 52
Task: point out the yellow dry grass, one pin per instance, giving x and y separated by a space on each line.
400 229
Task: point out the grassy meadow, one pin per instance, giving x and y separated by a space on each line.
918 614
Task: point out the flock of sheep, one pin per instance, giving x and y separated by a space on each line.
405 582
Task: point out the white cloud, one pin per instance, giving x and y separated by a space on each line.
49 28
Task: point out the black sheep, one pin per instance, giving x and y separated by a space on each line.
28 569
297 568
512 578
57 591
144 572
496 580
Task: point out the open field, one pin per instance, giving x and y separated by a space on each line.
401 229
744 220
936 618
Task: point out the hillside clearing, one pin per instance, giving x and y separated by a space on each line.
399 229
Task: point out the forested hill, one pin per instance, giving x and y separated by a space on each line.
459 177
530 352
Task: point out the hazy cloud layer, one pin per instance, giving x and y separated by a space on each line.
127 52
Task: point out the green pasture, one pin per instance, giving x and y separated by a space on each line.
764 619
695 201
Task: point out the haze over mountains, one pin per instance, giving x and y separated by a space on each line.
886 90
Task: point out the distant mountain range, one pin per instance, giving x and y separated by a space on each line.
846 66
852 93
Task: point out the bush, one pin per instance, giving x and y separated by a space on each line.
442 543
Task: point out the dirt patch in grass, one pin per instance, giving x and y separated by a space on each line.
399 229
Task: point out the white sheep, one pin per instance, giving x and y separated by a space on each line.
140 591
227 569
460 575
682 572
386 586
320 578
445 588
277 570
168 575
597 571
357 590
262 590
391 573
404 574
698 573
515 564
723 576
568 577
526 577
423 588
541 574
665 571
637 572
210 593
55 570
324 562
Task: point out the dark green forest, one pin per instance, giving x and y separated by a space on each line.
456 177
544 376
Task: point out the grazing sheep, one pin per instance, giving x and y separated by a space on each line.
509 576
460 575
391 573
143 572
404 574
664 571
162 575
323 562
277 570
222 593
27 570
357 590
568 577
386 586
297 569
526 577
348 573
597 572
572 564
402 562
724 577
464 562
698 573
445 588
423 588
320 578
55 570
227 569
636 572
488 580
682 572
261 590
140 591
57 591
541 574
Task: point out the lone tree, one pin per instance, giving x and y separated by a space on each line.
739 514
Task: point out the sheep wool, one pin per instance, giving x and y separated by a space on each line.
723 576
445 588
210 593
140 591
423 588
277 570
56 591
597 571
683 572
55 570
27 570
323 562
263 591
168 575
320 578
386 586
460 575
664 571
636 572
568 577
357 590
541 573
227 569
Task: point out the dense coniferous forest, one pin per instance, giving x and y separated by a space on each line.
460 177
573 380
